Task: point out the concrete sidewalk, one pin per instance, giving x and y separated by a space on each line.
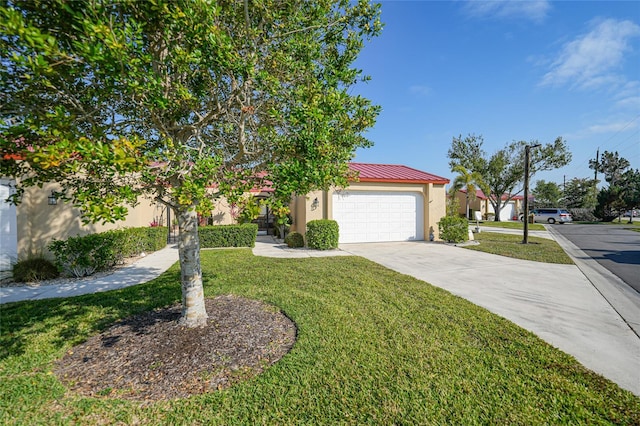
489 228
145 269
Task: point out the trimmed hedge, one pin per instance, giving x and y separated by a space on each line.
82 256
454 229
322 234
243 235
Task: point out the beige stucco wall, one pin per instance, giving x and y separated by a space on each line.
38 222
476 204
434 196
222 212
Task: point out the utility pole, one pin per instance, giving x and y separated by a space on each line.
595 175
527 156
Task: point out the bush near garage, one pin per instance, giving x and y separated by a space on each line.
453 229
243 235
294 240
84 255
323 234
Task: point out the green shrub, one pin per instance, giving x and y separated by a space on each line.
294 239
83 256
585 215
243 235
322 234
454 229
36 268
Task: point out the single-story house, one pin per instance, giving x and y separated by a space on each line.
481 204
387 203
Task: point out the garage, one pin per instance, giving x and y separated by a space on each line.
376 216
8 227
508 211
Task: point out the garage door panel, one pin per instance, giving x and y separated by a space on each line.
368 216
8 226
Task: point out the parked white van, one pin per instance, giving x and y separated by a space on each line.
551 216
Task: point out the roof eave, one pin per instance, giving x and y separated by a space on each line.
408 181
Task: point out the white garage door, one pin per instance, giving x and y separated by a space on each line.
507 212
366 216
8 228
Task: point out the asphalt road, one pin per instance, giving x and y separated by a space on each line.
614 247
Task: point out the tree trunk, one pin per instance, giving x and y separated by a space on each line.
194 313
496 209
467 207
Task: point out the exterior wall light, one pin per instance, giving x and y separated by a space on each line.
52 199
315 203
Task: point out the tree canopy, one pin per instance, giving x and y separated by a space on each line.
547 194
580 193
503 172
179 99
622 194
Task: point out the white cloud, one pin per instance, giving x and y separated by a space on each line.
420 90
628 97
534 10
593 59
613 127
610 125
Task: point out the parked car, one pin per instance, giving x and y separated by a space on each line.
550 215
631 212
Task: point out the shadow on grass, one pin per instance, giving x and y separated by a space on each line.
73 319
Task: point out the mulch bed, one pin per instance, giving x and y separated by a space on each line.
150 357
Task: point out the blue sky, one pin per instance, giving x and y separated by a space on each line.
506 70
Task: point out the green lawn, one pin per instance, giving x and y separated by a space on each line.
508 225
633 226
624 223
538 249
374 347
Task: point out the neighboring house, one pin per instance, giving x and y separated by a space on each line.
387 203
481 204
29 227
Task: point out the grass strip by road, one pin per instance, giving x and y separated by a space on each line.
508 225
633 226
373 347
538 249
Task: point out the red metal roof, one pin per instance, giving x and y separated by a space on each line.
480 194
394 173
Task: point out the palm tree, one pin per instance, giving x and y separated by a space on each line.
469 180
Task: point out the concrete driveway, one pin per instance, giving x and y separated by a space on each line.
556 302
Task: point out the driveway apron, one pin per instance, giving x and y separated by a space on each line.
556 302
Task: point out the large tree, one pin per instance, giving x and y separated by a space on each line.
580 193
631 192
611 165
503 172
547 194
621 194
181 100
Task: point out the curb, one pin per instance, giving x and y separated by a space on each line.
623 299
